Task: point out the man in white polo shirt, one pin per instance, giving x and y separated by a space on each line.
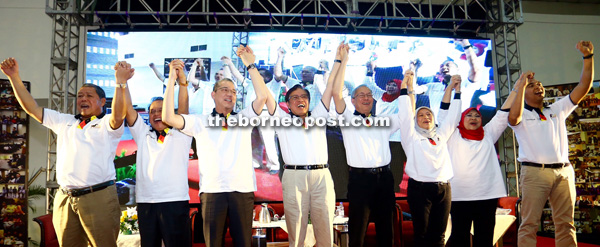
307 183
371 182
161 170
86 207
227 180
544 153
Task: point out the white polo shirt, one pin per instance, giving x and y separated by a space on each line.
427 162
226 155
301 146
477 174
161 168
544 142
367 147
389 108
84 157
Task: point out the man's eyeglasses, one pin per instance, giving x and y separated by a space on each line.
156 111
297 97
225 90
363 96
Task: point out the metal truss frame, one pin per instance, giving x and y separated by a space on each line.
63 78
506 16
448 18
432 17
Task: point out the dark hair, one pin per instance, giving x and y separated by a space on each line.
217 84
310 68
294 88
157 98
98 89
268 73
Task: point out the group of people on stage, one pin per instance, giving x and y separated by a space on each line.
451 160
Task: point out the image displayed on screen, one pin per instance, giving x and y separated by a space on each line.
286 59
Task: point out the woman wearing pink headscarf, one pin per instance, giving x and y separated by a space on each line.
477 183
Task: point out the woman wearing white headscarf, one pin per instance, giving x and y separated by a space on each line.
428 162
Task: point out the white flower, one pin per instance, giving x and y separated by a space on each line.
131 211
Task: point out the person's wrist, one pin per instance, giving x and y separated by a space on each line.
588 56
251 66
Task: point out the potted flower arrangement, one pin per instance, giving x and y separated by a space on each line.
129 221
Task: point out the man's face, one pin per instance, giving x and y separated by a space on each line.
534 92
219 75
299 102
425 119
155 115
448 68
363 100
391 87
225 96
308 74
88 102
472 120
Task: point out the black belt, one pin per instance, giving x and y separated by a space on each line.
438 182
306 167
375 170
87 190
552 166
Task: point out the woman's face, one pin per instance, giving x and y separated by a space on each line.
425 119
472 120
391 87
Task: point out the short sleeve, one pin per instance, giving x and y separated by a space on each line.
139 129
320 110
193 124
118 132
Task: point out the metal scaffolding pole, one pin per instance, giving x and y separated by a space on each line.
506 16
63 77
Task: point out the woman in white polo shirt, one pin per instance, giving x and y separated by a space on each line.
428 163
477 183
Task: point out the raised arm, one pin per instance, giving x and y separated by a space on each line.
336 78
587 73
131 115
455 80
409 77
183 98
475 69
278 69
10 68
158 74
369 81
260 88
168 112
447 126
123 72
192 74
234 71
509 101
516 110
414 65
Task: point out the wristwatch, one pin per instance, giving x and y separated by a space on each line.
251 66
121 85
